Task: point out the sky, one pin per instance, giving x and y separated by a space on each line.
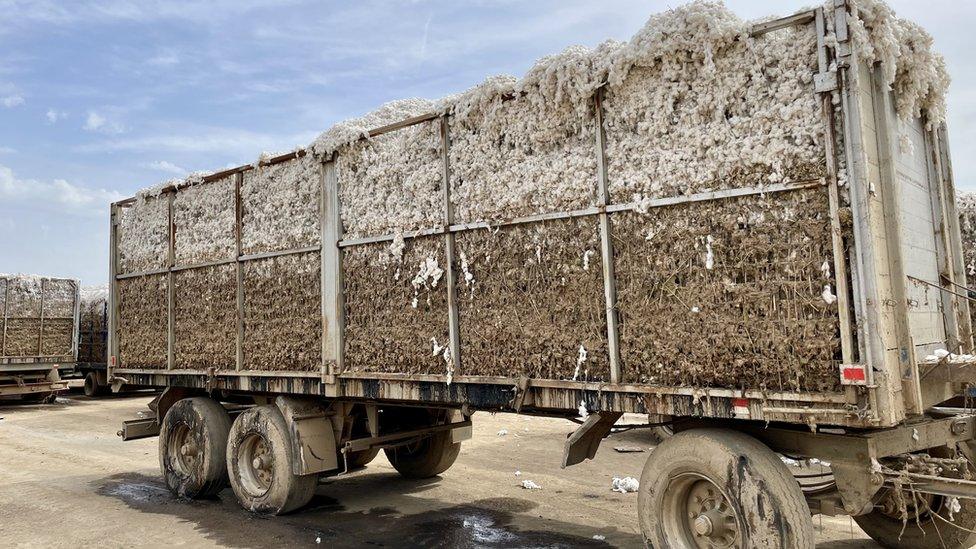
99 98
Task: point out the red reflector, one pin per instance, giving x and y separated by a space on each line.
740 402
854 373
113 361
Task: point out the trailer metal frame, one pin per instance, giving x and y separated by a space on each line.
872 337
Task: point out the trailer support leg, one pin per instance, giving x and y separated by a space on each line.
585 441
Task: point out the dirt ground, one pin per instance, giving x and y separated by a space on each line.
66 479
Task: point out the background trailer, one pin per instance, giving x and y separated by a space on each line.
39 330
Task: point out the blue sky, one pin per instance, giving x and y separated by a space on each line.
99 98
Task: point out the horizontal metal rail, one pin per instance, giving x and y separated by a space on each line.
593 210
250 257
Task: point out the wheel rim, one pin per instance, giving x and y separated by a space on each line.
698 514
185 454
255 462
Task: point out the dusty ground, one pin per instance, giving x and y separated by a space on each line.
67 480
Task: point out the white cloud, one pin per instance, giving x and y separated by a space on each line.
7 150
96 122
207 140
167 59
12 101
165 166
53 115
57 195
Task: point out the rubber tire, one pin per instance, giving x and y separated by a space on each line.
362 458
92 388
887 531
428 458
659 434
209 425
757 482
288 491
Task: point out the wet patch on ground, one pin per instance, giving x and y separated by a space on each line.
401 520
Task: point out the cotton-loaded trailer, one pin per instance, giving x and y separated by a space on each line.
745 231
38 330
92 365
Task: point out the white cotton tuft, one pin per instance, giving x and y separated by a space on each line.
624 485
828 295
586 259
529 485
709 256
580 361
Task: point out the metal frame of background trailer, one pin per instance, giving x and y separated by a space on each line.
875 403
21 375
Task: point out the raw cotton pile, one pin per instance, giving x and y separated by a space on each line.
281 206
392 182
93 327
731 293
39 314
396 308
531 301
721 111
143 243
143 325
282 313
206 318
917 75
204 218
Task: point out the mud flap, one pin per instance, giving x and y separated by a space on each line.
311 435
585 440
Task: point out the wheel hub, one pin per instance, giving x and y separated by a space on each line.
697 513
256 464
184 452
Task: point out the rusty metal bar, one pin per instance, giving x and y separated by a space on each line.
239 270
453 322
606 244
595 210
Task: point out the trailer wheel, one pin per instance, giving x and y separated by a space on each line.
886 527
720 488
92 387
192 446
259 459
361 458
425 458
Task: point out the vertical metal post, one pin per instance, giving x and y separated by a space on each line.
944 250
606 244
453 321
239 270
955 268
171 286
40 329
112 350
864 261
833 197
333 296
76 321
6 300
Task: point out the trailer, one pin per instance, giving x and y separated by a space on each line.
39 331
745 231
92 365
